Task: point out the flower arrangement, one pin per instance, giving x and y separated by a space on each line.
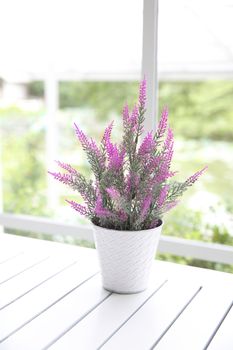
132 186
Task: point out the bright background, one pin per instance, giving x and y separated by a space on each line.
65 61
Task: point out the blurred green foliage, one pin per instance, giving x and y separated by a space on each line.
201 109
191 225
24 173
197 109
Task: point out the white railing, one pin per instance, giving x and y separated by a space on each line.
173 245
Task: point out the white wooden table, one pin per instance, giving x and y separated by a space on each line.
51 298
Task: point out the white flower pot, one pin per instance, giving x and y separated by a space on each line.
126 257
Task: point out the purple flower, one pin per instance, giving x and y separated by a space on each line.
76 181
115 156
125 114
165 161
67 167
170 205
190 181
82 137
64 178
131 183
142 94
152 163
130 120
147 145
131 188
162 124
113 193
128 184
107 134
99 210
122 215
162 196
78 207
134 118
154 223
169 141
162 176
164 172
89 145
145 206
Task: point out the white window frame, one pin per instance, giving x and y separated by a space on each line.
178 246
149 61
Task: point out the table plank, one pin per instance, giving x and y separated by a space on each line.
13 244
223 339
53 323
153 318
196 325
105 319
23 283
39 299
19 264
6 255
59 303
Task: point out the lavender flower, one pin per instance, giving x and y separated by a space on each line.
95 157
145 206
169 141
67 167
113 193
154 223
134 118
125 116
170 206
107 134
130 121
82 137
64 178
162 196
192 179
122 215
131 183
142 94
115 156
99 210
78 207
153 163
147 145
162 124
164 172
133 187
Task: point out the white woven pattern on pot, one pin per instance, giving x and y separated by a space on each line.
126 258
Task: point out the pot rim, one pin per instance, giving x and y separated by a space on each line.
161 222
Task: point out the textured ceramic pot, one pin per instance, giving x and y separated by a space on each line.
126 257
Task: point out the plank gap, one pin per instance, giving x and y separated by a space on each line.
27 268
128 318
178 315
219 325
37 285
76 322
45 309
11 257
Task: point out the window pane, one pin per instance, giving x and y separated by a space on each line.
196 71
91 53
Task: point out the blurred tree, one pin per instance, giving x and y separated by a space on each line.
24 173
197 109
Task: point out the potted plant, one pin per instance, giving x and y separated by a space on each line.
130 191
